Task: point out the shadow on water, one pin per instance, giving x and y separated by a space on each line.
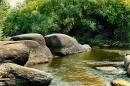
104 55
79 69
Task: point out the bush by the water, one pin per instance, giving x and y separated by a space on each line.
83 19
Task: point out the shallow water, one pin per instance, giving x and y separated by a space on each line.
79 69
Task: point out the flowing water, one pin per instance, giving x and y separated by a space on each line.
80 69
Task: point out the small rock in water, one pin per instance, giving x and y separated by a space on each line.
128 70
120 82
107 68
105 46
126 61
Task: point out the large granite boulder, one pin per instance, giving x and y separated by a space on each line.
39 52
15 52
23 52
35 37
26 76
61 44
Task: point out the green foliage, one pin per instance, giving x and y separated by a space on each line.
74 17
3 12
96 42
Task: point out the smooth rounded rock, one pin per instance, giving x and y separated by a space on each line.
30 36
38 54
107 68
127 61
23 52
120 82
61 44
128 70
38 51
29 75
15 52
35 37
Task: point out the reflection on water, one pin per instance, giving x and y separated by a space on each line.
79 69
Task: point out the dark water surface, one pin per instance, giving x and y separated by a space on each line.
79 69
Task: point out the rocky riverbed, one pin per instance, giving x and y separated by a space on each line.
81 69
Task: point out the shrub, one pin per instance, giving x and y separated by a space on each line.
3 12
73 17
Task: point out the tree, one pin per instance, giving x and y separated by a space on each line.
109 18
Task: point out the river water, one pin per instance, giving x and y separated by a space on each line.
80 69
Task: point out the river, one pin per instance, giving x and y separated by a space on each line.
80 69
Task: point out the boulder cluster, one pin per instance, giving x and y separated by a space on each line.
19 52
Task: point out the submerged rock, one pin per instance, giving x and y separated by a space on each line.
29 75
107 68
87 79
61 44
120 82
120 52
